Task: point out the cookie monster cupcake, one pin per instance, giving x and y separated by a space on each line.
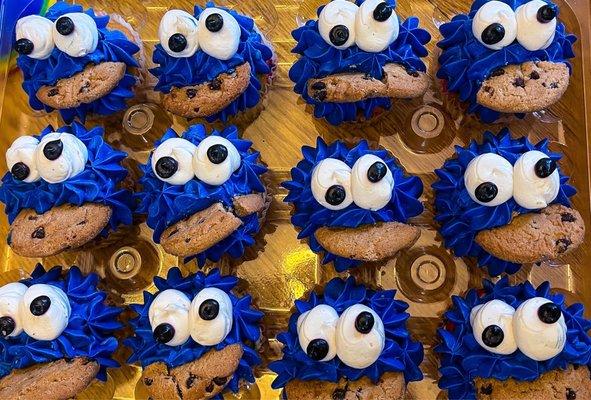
347 341
356 58
508 56
74 62
353 204
56 335
515 342
212 64
63 189
195 337
506 202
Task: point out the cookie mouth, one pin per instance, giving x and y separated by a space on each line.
527 87
210 226
535 237
368 242
397 82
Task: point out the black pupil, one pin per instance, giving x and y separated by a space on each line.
64 26
177 42
493 33
164 333
214 22
549 313
339 35
545 167
317 349
24 46
493 336
364 322
486 192
217 153
20 171
40 305
376 172
382 12
7 326
166 167
546 14
209 309
335 195
53 149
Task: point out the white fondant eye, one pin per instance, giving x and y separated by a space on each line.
178 33
215 160
34 37
536 181
10 319
60 156
331 184
489 179
211 316
219 33
44 311
75 34
360 336
20 159
336 23
169 317
536 24
172 161
492 327
540 330
371 182
495 25
316 332
376 26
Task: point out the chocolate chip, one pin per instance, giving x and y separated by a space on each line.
570 394
567 217
52 92
32 218
187 240
174 232
544 84
554 85
39 233
148 381
339 394
191 93
209 388
534 75
489 89
320 96
190 381
220 380
84 88
81 223
179 391
215 84
486 389
498 72
563 244
319 85
412 72
519 82
196 109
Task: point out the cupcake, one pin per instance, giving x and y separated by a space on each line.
356 58
347 341
195 337
203 193
71 61
515 342
353 204
506 202
506 57
212 64
63 190
56 335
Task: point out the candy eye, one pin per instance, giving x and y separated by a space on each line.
536 24
10 298
60 156
536 180
172 161
360 336
178 33
219 33
34 37
169 317
489 179
376 26
316 332
20 159
371 182
336 23
495 25
331 184
75 34
492 326
540 330
215 160
45 311
211 316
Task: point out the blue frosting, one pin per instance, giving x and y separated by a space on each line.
98 183
461 218
245 328
400 354
310 215
465 62
201 67
463 360
89 332
166 204
113 46
318 59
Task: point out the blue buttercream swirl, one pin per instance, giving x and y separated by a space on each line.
309 215
319 59
167 204
113 46
245 327
461 218
89 332
99 182
465 63
463 360
400 354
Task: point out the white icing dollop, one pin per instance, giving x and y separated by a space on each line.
178 21
222 44
10 297
171 306
367 194
23 150
70 163
214 331
338 12
529 190
38 30
319 323
531 33
54 321
327 173
182 151
495 12
82 41
371 35
207 171
490 167
494 312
